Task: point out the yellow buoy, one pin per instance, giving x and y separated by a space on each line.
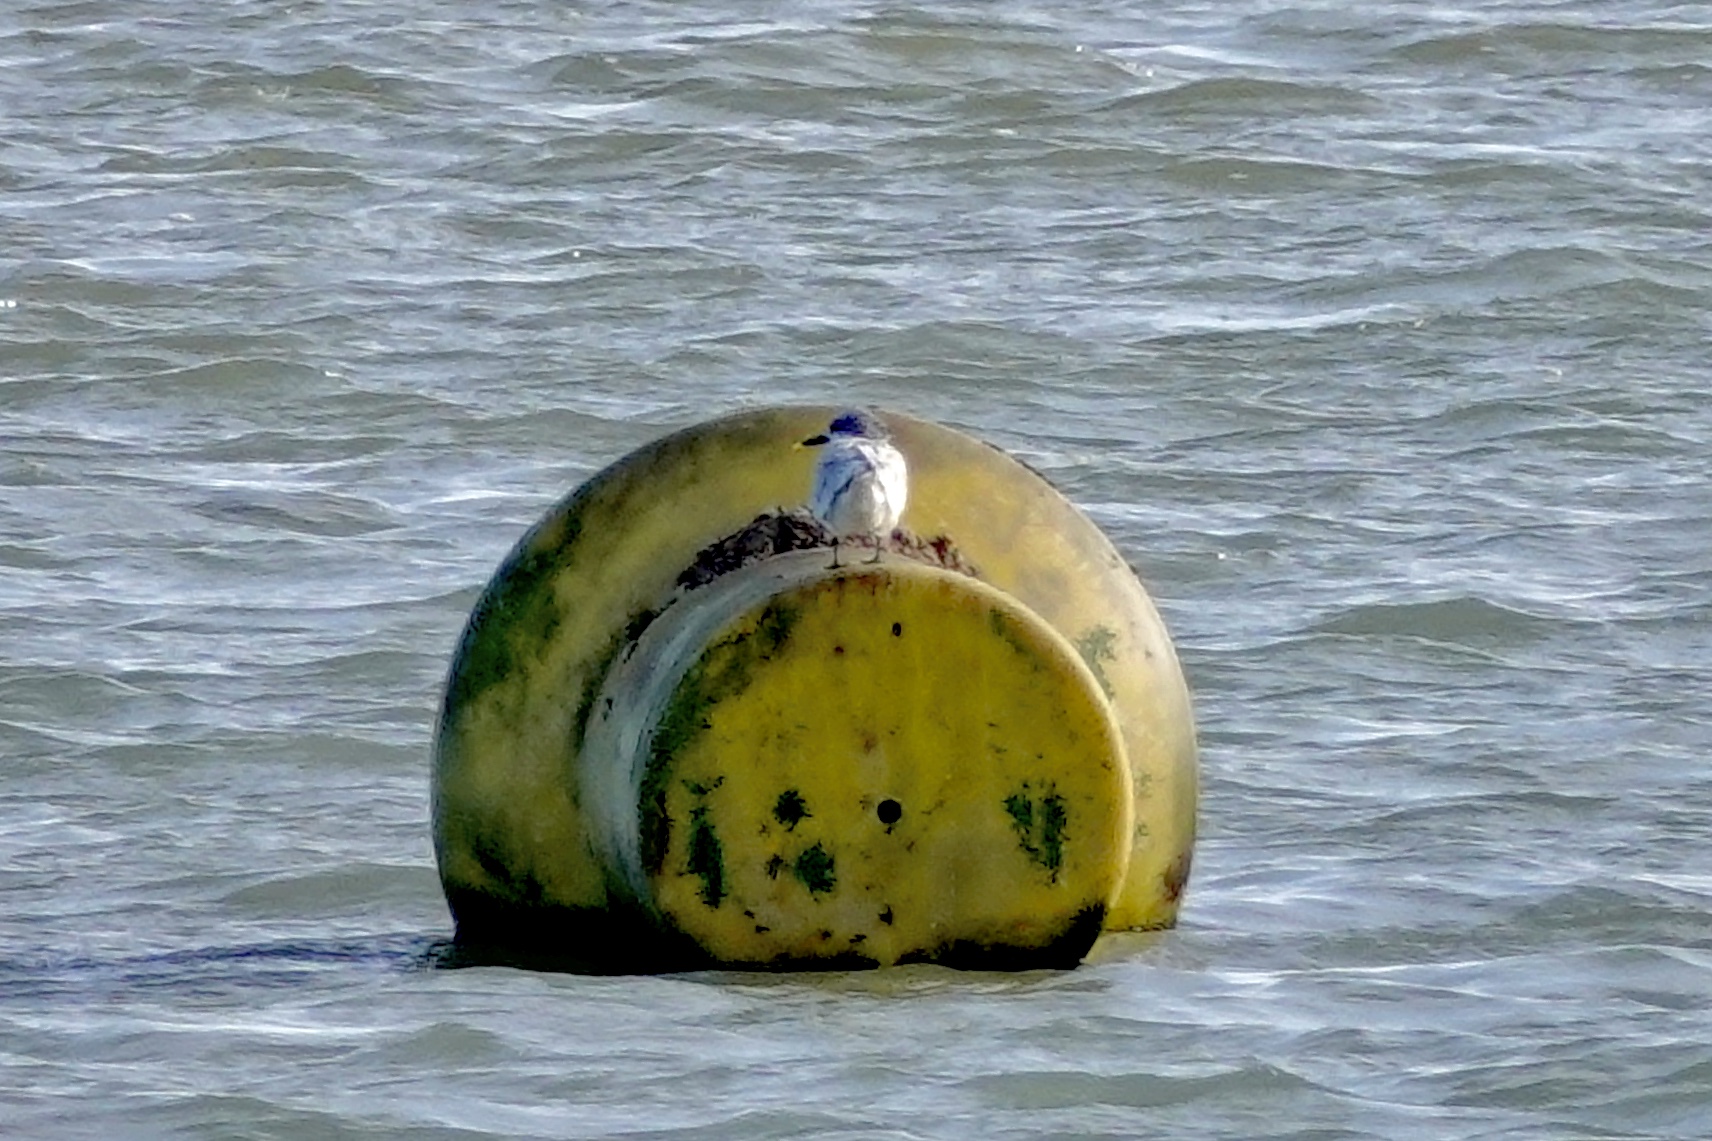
791 764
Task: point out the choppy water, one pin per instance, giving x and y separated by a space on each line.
1377 335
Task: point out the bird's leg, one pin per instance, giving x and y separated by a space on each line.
835 563
876 557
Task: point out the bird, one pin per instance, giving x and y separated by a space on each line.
861 481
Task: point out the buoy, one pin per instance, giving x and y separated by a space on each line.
676 734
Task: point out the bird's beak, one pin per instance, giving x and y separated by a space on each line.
813 441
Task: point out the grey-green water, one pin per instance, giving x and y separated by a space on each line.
1377 336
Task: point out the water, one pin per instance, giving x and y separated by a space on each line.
1376 336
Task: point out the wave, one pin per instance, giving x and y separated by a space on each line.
1465 620
1546 46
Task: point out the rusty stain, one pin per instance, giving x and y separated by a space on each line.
1176 878
778 533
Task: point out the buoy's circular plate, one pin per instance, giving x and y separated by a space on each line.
886 765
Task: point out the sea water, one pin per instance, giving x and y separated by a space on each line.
1377 336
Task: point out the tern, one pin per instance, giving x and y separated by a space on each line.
861 481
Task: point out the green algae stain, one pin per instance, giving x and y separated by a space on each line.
723 671
774 628
1097 647
815 869
518 615
1040 824
791 809
654 823
600 666
1016 635
1053 819
706 857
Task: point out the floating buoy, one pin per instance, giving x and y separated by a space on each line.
683 729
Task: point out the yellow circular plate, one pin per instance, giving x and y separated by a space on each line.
881 764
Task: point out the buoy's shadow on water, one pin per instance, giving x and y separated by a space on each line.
451 955
207 969
858 974
293 962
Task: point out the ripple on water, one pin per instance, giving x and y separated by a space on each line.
1465 621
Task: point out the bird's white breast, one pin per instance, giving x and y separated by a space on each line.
860 486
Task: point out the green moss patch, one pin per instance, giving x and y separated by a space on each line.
1097 647
816 871
1040 824
1006 629
724 670
706 857
515 619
